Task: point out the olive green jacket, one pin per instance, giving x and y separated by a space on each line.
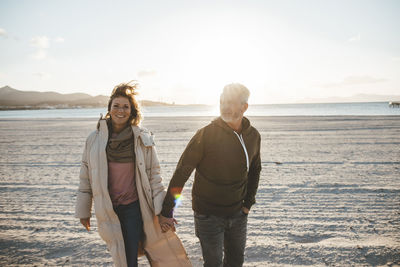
225 179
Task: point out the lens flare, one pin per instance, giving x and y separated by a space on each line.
176 193
178 200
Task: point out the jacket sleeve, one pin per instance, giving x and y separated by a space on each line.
187 163
155 179
83 208
253 178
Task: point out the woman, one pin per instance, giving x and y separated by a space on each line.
120 173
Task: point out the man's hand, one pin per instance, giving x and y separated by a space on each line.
86 222
245 210
167 223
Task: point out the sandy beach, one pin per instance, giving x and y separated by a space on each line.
329 191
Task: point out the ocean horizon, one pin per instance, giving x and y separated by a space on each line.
319 109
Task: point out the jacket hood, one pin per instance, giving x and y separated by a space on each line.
221 123
100 119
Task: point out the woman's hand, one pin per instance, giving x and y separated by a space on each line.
86 222
167 223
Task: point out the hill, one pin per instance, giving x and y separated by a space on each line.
11 98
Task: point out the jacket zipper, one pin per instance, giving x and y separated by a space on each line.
244 149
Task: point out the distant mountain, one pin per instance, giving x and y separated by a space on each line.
354 98
11 98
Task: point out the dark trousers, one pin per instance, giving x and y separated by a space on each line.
132 229
222 235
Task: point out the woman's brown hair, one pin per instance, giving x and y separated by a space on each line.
127 90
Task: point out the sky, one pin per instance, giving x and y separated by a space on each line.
186 51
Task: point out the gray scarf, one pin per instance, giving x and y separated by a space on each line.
121 147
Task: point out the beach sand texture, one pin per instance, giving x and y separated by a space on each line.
329 191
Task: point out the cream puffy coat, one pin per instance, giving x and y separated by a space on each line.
162 249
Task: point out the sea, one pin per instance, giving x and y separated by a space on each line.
321 109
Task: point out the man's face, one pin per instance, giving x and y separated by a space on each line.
231 108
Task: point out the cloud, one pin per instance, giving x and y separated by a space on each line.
40 54
354 80
3 33
41 75
146 73
41 42
59 40
396 59
355 38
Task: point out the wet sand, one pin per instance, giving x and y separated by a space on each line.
329 191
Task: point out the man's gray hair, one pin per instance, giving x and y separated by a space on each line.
236 90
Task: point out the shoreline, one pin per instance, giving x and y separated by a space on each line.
198 117
5 108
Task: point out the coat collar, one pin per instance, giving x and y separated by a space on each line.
145 135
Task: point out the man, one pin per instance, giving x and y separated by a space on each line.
226 156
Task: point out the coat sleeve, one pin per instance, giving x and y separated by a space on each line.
187 163
83 208
155 179
253 178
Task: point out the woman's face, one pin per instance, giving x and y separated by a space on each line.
120 111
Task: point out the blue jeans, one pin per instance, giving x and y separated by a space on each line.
222 235
132 229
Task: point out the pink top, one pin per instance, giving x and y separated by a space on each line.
121 183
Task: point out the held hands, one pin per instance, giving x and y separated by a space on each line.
167 223
86 223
